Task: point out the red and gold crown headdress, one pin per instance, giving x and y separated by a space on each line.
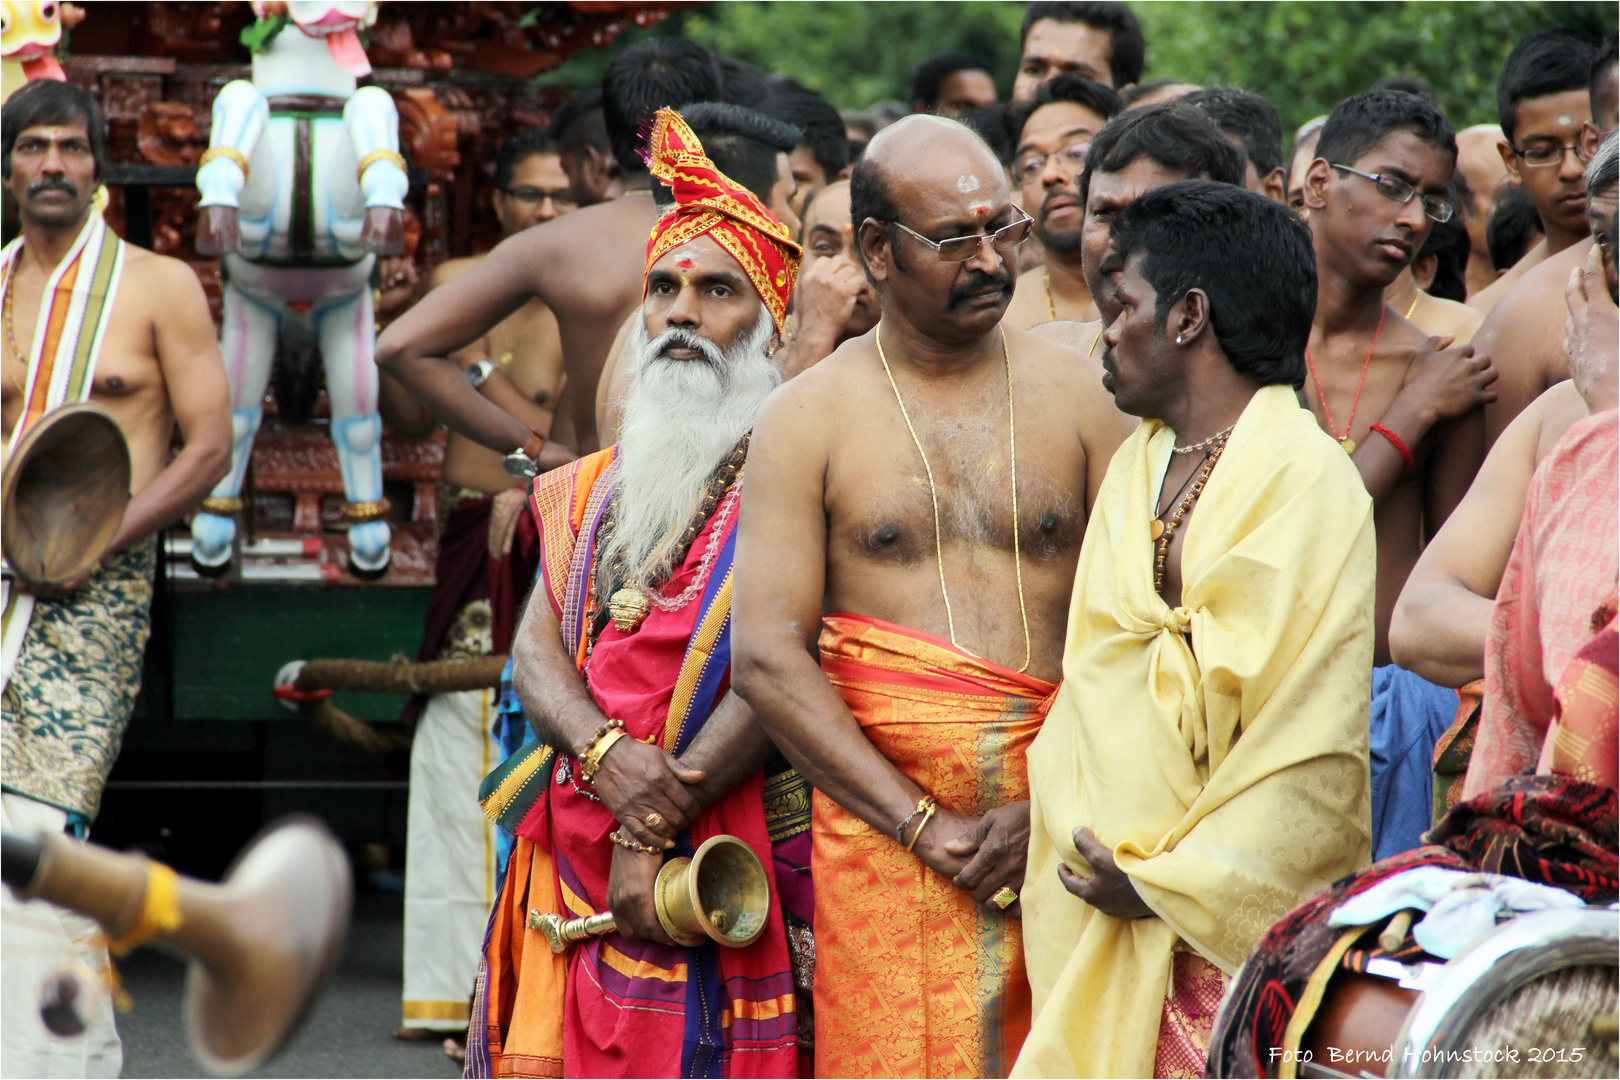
708 202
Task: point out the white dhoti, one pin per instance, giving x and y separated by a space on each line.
449 859
38 940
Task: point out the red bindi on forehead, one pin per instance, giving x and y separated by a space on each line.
685 264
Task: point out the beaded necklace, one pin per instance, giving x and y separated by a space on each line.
1164 531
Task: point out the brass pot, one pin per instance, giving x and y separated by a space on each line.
721 893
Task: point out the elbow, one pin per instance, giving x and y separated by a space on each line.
391 348
1407 638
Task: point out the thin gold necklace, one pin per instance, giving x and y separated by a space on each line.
11 332
933 494
1051 308
1413 305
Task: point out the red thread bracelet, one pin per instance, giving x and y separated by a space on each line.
1395 440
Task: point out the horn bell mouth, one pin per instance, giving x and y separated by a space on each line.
720 894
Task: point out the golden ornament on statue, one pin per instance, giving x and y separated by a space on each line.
629 608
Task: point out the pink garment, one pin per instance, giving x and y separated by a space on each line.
1563 567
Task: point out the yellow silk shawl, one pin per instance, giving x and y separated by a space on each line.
1230 777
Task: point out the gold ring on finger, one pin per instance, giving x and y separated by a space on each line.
653 820
1004 898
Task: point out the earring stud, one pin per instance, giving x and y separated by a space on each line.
1178 340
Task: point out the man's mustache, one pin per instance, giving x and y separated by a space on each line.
676 338
54 183
977 282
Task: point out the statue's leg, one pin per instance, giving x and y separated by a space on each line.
373 126
248 347
347 341
239 118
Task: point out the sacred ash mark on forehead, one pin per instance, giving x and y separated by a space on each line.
967 183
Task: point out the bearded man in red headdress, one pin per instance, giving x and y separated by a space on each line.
622 667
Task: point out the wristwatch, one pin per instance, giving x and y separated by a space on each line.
479 373
524 462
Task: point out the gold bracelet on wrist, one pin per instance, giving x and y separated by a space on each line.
928 815
379 155
229 153
631 845
590 759
923 804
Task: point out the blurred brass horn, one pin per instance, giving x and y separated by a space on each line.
262 942
63 494
721 893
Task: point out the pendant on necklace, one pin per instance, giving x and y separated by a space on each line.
629 608
1349 444
1156 528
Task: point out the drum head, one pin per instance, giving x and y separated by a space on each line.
64 493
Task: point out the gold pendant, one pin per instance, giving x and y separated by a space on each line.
1349 444
1156 528
629 608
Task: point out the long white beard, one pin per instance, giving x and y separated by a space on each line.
680 421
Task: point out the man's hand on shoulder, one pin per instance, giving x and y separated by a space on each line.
1109 888
637 780
1447 381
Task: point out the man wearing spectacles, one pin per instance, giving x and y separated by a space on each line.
926 486
1055 131
1542 103
1407 411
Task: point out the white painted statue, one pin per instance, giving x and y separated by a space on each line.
302 188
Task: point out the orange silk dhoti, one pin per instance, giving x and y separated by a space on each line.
912 977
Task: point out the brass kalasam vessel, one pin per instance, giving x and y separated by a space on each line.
63 494
720 894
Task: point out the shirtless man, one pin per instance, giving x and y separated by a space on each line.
1138 151
1542 103
586 267
73 660
1481 166
881 490
1407 411
1102 41
1524 329
1057 129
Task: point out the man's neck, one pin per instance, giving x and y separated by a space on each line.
1216 395
907 348
46 246
1066 280
1559 238
1344 306
1402 292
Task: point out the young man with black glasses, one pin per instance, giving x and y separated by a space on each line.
1407 410
1542 104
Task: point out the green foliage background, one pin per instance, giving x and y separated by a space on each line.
1303 56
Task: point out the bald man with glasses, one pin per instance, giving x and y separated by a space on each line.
906 553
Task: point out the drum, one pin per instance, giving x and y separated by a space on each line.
1519 1002
63 494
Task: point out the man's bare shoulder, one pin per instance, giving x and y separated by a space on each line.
831 380
1028 307
1080 336
1534 304
1437 315
451 269
589 259
1487 298
163 283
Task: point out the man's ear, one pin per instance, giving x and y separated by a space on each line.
873 240
1275 185
1424 267
1316 184
1190 317
1511 161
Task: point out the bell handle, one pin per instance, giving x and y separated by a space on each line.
561 933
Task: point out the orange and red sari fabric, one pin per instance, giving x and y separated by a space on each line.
912 977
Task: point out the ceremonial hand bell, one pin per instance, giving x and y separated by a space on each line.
721 894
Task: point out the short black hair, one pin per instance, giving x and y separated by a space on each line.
1172 133
1449 244
793 103
652 74
1359 123
742 143
994 124
578 123
1410 84
52 102
1250 255
519 148
1247 117
741 83
927 76
1513 227
870 196
1544 62
1603 62
1137 91
1127 50
1071 88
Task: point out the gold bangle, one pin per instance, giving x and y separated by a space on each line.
900 829
631 845
593 756
360 513
928 815
379 155
221 505
229 153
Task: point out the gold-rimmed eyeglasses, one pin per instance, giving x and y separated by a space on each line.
962 248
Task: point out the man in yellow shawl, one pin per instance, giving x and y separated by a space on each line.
1204 767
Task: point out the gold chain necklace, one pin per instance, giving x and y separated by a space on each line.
933 494
1051 308
1413 305
11 331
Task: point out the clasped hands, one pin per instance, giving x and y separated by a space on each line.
981 855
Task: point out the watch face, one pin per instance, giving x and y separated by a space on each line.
519 465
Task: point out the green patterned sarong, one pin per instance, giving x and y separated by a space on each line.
73 689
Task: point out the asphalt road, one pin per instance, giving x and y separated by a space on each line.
349 1032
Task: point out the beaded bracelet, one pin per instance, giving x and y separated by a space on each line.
591 756
632 845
